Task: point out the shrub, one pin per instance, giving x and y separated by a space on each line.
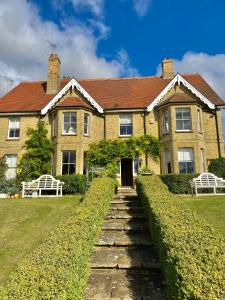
217 167
10 186
192 253
59 268
73 184
178 183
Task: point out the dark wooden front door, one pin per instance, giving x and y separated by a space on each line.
127 172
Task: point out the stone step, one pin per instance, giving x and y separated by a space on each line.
125 258
125 284
130 197
124 238
124 201
124 224
123 214
126 207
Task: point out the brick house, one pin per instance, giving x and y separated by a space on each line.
182 110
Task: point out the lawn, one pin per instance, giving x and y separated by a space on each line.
210 208
25 223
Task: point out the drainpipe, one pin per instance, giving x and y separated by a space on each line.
104 127
217 134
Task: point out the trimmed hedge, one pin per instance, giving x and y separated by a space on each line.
192 253
59 268
73 184
178 183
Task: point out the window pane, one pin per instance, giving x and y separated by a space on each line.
65 158
190 168
64 169
72 157
73 117
187 125
66 117
129 130
179 124
123 130
71 169
182 167
178 113
186 113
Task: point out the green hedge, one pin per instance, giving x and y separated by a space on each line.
217 167
192 253
73 184
178 183
59 268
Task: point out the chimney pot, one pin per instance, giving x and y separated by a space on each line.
167 68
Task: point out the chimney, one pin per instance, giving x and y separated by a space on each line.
167 68
53 80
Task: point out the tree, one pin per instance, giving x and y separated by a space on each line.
3 167
217 167
36 161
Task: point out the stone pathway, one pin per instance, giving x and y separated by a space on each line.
125 265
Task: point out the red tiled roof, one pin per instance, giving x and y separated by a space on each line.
178 98
116 93
74 102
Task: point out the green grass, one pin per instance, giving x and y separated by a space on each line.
24 224
210 208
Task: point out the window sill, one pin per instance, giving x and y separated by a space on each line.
165 134
69 134
12 139
127 135
87 135
184 131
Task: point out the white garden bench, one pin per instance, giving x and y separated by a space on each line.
34 188
208 180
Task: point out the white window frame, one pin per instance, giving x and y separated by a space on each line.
14 167
10 127
87 124
183 119
186 149
121 116
199 120
68 163
63 127
165 122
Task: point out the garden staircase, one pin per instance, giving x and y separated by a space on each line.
125 265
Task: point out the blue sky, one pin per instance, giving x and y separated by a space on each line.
111 38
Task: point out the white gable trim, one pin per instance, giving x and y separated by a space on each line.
71 84
179 79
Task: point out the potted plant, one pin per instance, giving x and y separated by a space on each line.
145 171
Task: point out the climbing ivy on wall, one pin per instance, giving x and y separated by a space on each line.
109 152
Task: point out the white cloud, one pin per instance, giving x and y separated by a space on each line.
95 6
141 7
211 67
24 48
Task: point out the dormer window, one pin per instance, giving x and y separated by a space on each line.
126 125
69 123
183 119
14 128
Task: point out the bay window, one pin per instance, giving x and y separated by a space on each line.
165 117
86 124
